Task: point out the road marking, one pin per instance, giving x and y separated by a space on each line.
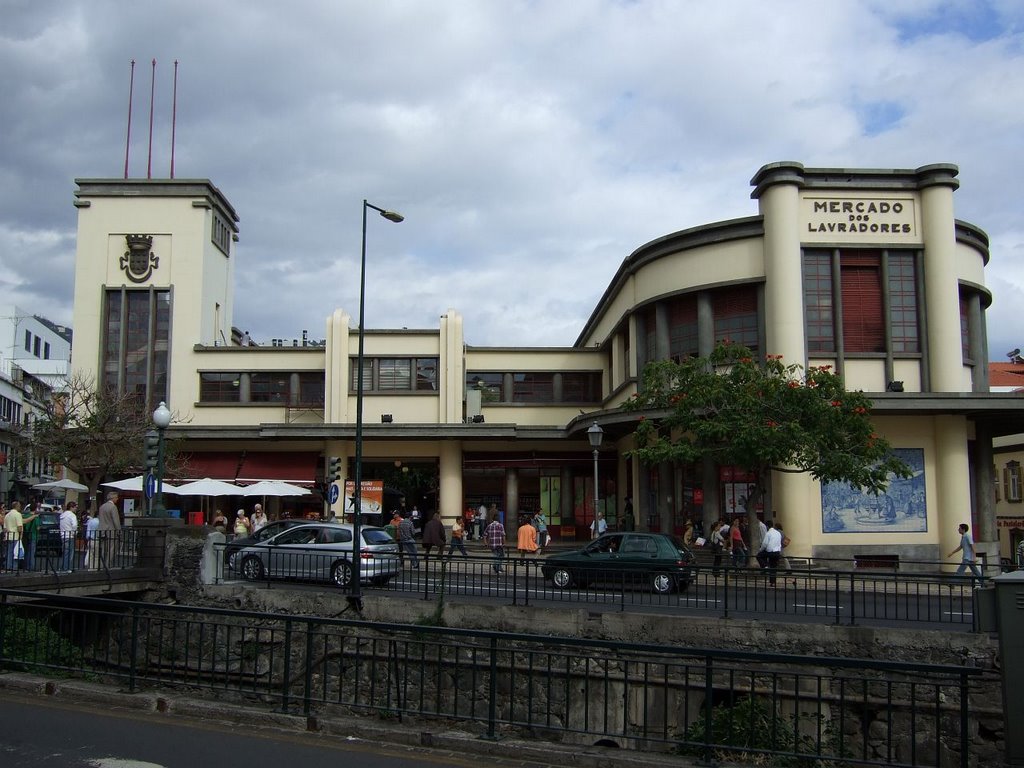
816 606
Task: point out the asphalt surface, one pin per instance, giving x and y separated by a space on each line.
73 724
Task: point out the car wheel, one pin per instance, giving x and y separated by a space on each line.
561 578
233 560
341 574
252 568
662 583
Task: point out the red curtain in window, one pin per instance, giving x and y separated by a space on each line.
863 321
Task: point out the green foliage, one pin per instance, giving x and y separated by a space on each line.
760 415
32 645
748 729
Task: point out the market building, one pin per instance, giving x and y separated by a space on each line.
865 270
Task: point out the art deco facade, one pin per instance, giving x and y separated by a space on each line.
868 271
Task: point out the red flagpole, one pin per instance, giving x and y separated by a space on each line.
174 114
152 92
128 138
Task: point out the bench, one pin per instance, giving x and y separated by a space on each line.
876 562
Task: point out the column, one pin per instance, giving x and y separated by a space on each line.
952 482
511 502
450 499
942 292
986 533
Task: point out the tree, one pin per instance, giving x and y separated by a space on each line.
760 416
93 431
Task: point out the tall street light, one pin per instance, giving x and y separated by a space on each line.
162 420
355 597
595 434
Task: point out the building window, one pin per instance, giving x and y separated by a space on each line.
35 346
46 351
395 374
220 235
576 387
311 389
863 296
581 387
533 387
860 285
28 341
903 302
426 374
219 387
735 316
1011 481
682 328
136 328
965 330
268 387
491 385
819 309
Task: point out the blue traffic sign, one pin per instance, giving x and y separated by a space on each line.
332 495
150 485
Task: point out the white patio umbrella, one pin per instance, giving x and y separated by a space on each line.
207 487
60 485
137 484
274 488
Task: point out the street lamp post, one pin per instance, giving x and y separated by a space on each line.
162 420
595 434
355 596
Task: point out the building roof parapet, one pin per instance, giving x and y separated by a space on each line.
203 188
790 172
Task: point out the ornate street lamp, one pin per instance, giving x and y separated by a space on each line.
355 596
595 434
162 420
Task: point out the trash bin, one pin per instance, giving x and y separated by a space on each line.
986 618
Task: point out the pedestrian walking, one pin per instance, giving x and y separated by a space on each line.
407 542
433 535
526 539
966 550
494 536
458 534
772 551
719 543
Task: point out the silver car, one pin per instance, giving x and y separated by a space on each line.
322 552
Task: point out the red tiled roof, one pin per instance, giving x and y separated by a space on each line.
1006 374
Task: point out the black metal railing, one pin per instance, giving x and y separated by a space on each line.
712 704
65 553
835 592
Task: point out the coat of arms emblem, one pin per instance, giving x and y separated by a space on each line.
139 261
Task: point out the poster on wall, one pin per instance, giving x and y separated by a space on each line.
371 500
900 509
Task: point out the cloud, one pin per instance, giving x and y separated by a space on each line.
532 146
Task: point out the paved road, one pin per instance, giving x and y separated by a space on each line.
46 733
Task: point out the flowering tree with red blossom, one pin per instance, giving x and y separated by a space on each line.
760 415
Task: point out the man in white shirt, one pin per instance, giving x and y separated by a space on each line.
68 529
772 550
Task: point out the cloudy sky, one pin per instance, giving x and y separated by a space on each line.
531 145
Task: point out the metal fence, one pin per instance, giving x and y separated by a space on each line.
712 704
839 592
65 553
